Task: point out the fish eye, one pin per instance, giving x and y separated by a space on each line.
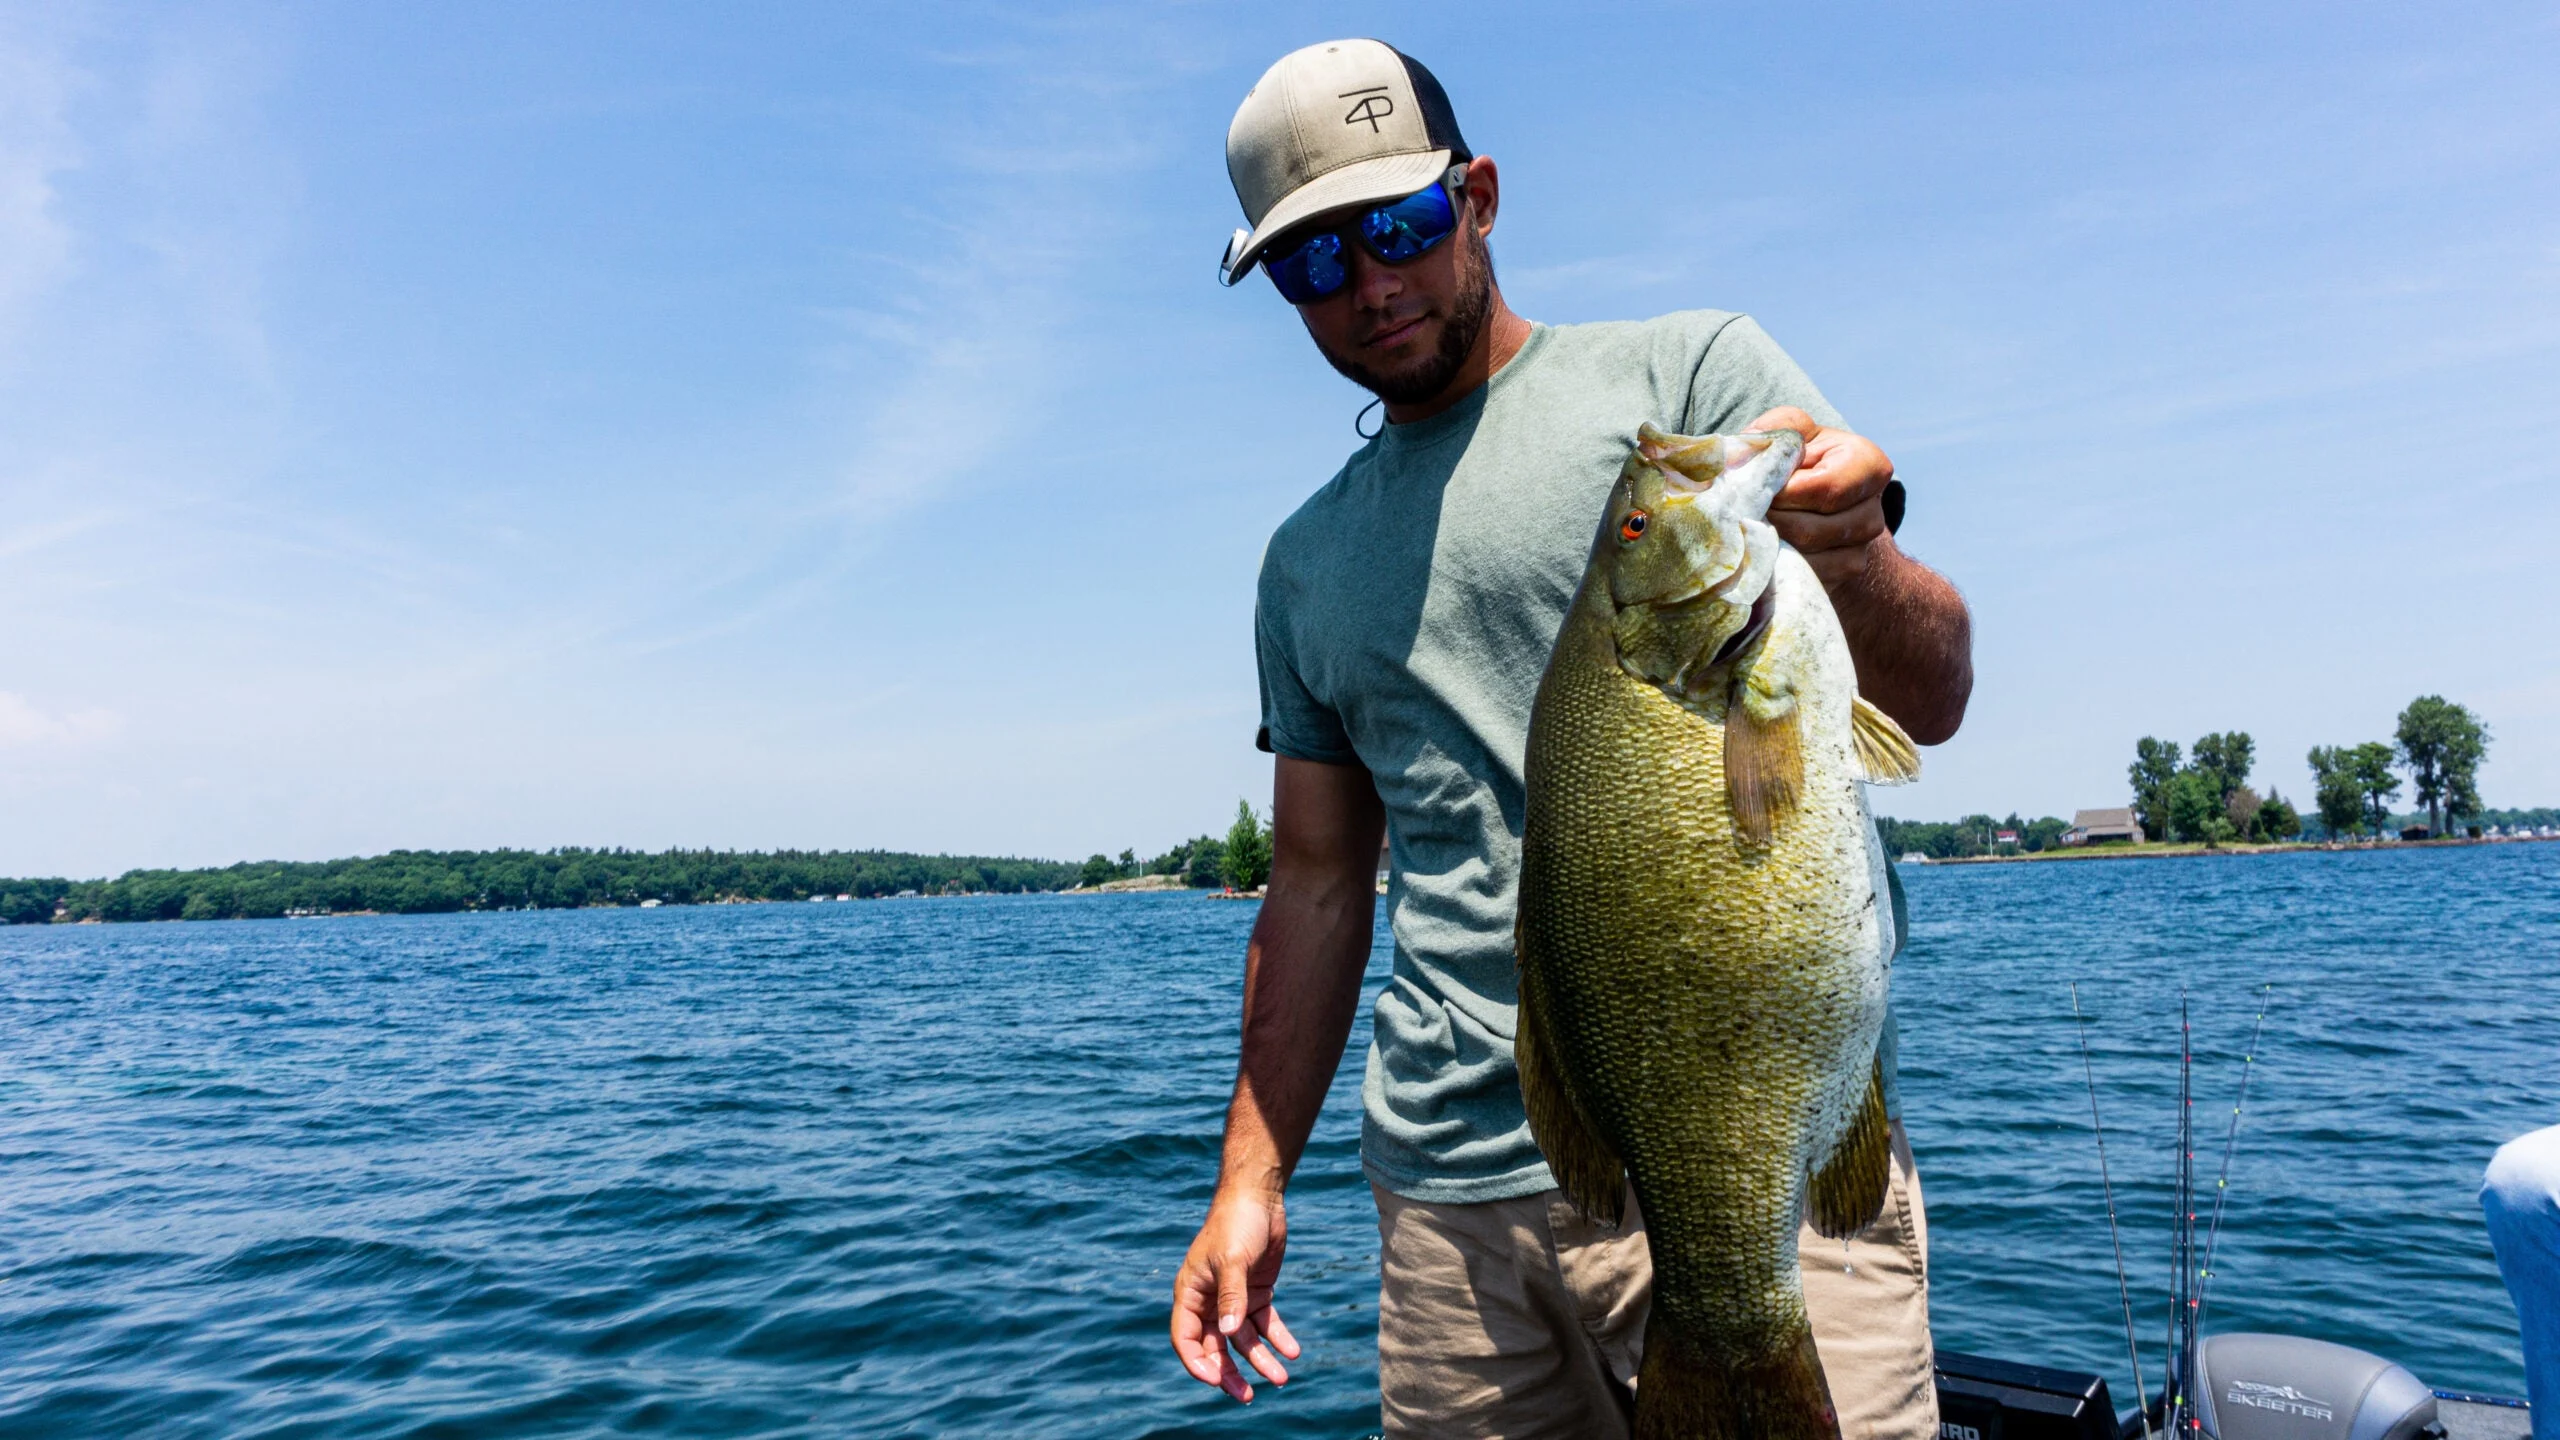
1632 528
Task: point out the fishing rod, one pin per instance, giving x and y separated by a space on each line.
2231 1137
2178 1388
2106 1187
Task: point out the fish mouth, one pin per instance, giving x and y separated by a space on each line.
1762 610
1691 467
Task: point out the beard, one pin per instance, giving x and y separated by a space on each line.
1425 379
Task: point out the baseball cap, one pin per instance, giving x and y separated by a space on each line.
1346 122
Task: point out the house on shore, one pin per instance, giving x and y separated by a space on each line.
2098 827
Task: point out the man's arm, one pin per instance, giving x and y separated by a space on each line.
1302 972
1911 637
1908 629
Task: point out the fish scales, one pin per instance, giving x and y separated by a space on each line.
1701 994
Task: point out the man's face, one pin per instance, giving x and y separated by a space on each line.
1402 332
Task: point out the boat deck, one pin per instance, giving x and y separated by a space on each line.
2467 1417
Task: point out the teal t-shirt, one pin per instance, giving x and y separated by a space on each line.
1402 622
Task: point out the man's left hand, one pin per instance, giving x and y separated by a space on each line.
1833 509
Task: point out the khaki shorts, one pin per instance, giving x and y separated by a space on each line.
1520 1318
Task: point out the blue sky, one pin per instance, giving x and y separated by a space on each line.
817 425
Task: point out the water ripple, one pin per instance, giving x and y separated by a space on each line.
926 1168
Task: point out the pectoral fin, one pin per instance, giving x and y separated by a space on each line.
1763 762
1885 754
1848 1191
1586 1169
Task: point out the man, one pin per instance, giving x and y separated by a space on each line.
1404 617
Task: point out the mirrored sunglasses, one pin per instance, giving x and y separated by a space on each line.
1318 266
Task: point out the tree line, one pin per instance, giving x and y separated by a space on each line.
1973 835
411 882
2205 795
426 882
2440 744
1238 860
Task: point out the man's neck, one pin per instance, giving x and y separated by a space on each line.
1504 334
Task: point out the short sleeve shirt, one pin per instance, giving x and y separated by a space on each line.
1404 616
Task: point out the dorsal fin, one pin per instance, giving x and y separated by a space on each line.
1886 756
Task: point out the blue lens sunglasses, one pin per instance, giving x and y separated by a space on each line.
1317 266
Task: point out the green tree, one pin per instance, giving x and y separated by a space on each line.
1207 866
2421 734
1934 838
2371 764
2195 809
32 902
2461 796
1247 863
2277 819
1128 866
2442 744
2336 790
2044 833
2224 760
1097 869
2155 764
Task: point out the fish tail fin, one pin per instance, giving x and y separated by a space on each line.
1685 1393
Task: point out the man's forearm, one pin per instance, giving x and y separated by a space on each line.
1302 989
1912 640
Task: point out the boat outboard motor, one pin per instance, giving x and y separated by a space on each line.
2282 1387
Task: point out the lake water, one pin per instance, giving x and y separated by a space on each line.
925 1168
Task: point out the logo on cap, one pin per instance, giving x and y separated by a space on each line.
1378 106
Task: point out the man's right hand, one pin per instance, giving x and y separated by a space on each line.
1302 972
1222 1295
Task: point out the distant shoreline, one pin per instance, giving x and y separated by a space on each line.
2191 849
1203 892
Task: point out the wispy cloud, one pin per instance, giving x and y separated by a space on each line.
26 725
19 540
37 80
972 337
956 357
224 191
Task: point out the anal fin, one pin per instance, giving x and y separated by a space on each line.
1885 754
1848 1192
1586 1169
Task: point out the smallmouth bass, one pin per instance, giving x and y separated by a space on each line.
1704 931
